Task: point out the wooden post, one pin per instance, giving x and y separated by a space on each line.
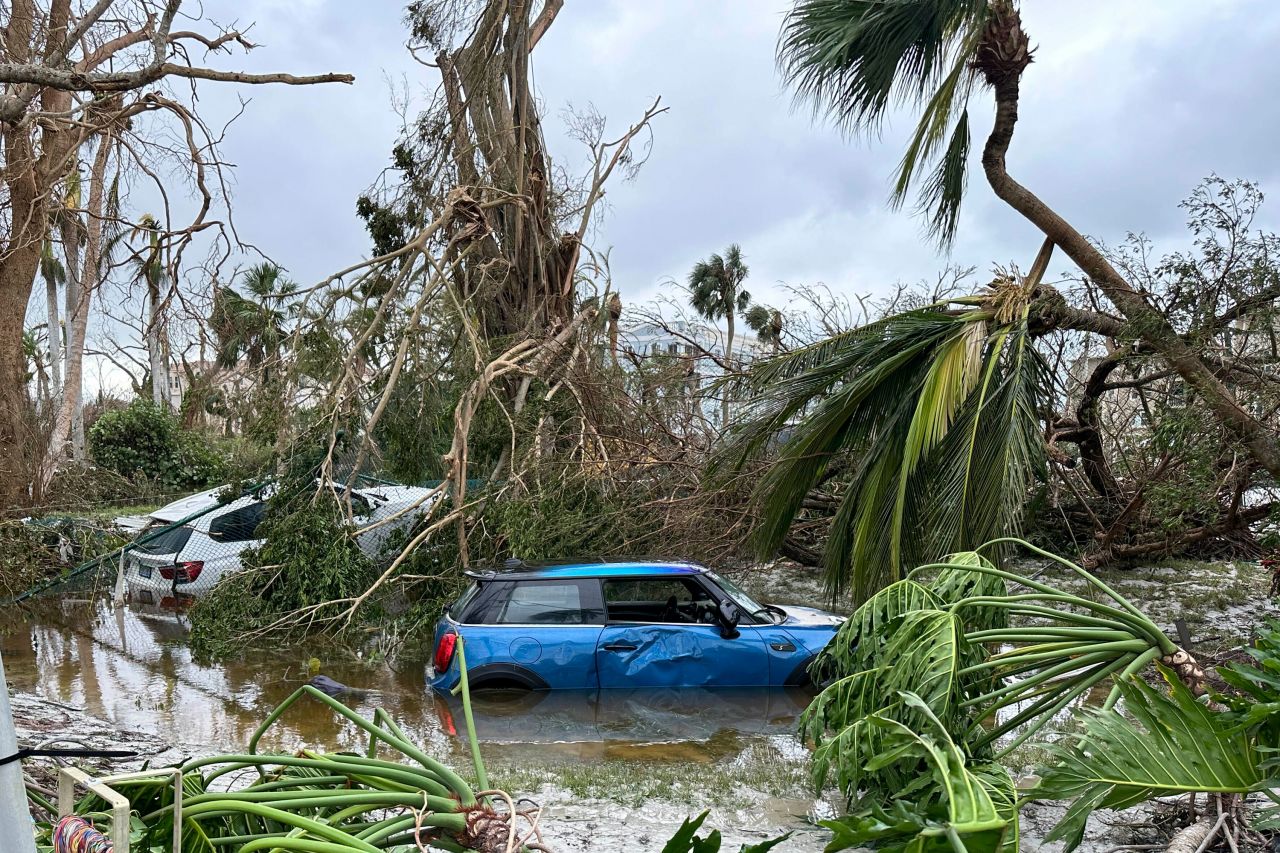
16 832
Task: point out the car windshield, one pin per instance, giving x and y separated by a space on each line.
744 601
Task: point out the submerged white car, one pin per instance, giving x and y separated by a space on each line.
186 561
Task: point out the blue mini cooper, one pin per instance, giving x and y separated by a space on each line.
623 624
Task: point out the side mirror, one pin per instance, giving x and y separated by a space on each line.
730 616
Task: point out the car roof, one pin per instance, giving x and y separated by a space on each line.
591 567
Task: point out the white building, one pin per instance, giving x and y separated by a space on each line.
700 347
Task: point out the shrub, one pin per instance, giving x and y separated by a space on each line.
146 441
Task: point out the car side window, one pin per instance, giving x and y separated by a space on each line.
660 600
239 525
548 603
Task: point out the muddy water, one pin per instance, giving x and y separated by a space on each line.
616 769
616 772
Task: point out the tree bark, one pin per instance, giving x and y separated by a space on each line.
71 249
156 355
1152 326
55 334
78 322
728 365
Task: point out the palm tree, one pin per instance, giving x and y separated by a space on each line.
252 327
855 59
766 322
716 293
935 410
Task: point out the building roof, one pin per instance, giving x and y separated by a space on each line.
590 567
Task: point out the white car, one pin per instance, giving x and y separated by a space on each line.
186 561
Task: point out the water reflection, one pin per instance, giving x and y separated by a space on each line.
133 668
651 715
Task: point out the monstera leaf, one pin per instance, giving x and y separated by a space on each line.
687 840
959 581
950 805
926 654
861 639
1162 745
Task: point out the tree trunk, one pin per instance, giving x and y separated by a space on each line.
157 362
55 337
71 249
728 366
1153 326
78 320
18 267
1190 840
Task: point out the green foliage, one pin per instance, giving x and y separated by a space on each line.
36 550
570 516
687 840
937 413
1162 745
145 440
715 285
921 670
416 429
950 807
309 557
1255 701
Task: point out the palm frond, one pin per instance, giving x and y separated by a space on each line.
855 59
938 410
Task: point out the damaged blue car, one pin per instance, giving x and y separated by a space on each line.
623 624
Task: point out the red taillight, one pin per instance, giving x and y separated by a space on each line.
444 651
183 572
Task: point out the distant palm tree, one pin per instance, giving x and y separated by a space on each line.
766 322
253 327
936 412
716 293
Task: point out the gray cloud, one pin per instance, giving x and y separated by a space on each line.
1126 108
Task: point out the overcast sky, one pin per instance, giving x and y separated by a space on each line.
1126 107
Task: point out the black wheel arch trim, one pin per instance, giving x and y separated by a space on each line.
799 676
477 677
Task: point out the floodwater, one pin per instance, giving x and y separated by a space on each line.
616 770
608 764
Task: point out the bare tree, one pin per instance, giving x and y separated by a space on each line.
69 75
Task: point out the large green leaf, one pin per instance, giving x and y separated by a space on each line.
947 803
1256 703
687 840
960 581
860 642
1162 745
924 656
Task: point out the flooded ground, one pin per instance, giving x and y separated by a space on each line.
616 770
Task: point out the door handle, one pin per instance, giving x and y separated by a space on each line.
783 647
619 647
